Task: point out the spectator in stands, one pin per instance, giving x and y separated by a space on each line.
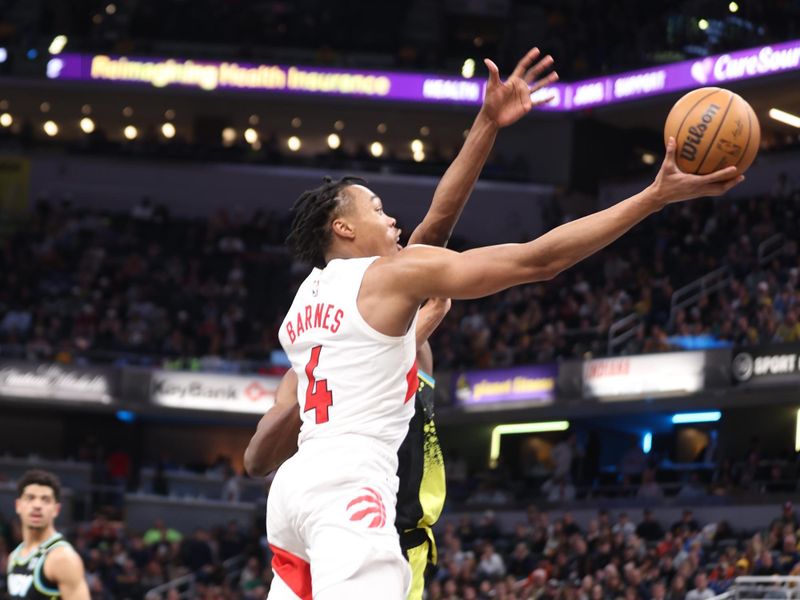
701 590
649 488
650 529
161 534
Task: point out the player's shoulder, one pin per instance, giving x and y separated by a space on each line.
62 560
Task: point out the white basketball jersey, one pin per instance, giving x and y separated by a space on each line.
352 379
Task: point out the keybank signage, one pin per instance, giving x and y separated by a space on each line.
420 87
205 391
767 365
55 382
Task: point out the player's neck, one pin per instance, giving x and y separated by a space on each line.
33 538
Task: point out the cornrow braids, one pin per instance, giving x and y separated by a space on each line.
310 234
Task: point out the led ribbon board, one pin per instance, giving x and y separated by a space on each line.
418 87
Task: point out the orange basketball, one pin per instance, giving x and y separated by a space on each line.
713 128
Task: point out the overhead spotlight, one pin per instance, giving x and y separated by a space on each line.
32 54
784 117
50 128
648 158
256 145
130 132
419 156
57 45
6 120
169 114
3 54
127 112
376 149
44 107
297 122
294 143
250 135
382 128
702 24
416 146
424 131
3 104
111 9
339 125
87 125
468 68
253 120
168 130
228 136
733 7
86 110
477 42
334 141
97 19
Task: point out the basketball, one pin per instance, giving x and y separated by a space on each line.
713 129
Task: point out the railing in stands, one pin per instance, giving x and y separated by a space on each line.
186 585
770 249
692 293
623 330
761 588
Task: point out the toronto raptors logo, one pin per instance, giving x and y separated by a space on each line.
369 504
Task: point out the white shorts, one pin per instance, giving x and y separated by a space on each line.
330 523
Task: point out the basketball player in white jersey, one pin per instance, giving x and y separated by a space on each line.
44 565
349 335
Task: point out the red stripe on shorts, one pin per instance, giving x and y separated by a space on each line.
413 382
293 570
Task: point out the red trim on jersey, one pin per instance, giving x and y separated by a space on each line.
293 570
413 382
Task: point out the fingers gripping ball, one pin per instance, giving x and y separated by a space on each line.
713 128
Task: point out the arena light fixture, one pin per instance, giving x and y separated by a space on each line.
45 107
733 7
87 125
419 156
468 68
382 128
702 24
376 149
648 158
228 136
416 146
6 120
3 54
250 135
169 114
168 130
294 143
424 131
50 128
647 442
710 416
130 132
334 141
111 9
297 122
339 125
86 110
784 117
57 45
516 428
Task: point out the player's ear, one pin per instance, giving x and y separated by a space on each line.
343 228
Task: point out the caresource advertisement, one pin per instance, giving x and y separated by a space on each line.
525 385
419 87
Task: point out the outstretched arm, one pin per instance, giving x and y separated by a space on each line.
402 281
504 104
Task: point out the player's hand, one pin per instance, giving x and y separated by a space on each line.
506 102
673 185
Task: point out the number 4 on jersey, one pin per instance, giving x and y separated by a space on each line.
318 396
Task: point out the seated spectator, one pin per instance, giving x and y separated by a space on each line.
701 590
649 529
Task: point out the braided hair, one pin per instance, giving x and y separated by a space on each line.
310 234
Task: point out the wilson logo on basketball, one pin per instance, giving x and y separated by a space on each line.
368 505
696 133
